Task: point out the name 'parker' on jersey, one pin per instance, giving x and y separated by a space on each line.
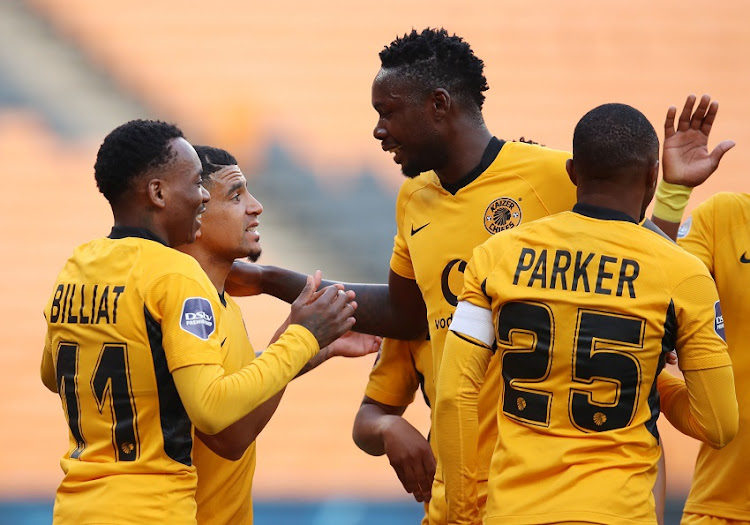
85 304
564 270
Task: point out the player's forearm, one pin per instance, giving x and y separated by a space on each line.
378 313
457 427
704 406
232 442
369 425
214 401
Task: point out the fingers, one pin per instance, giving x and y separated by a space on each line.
696 121
307 292
669 122
708 119
684 123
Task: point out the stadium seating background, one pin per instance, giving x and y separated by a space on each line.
286 87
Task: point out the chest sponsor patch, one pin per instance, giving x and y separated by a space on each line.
197 317
502 214
685 228
719 321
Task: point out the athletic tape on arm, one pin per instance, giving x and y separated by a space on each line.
474 321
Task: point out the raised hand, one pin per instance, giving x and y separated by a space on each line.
685 159
327 313
354 344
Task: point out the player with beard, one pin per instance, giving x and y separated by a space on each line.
225 462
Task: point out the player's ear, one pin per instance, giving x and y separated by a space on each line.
571 171
155 191
441 103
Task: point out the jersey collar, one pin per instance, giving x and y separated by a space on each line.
597 212
488 157
121 232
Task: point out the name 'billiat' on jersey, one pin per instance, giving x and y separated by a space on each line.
76 304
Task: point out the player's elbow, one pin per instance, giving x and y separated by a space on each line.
207 422
724 432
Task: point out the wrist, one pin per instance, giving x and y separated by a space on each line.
670 201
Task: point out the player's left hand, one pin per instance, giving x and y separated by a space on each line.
354 344
685 159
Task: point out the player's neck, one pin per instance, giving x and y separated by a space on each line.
216 268
627 204
466 147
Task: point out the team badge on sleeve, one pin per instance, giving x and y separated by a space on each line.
719 321
685 228
197 317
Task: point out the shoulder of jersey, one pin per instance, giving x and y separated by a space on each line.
410 185
167 260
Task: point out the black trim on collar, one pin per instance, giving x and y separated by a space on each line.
121 232
222 299
488 157
598 212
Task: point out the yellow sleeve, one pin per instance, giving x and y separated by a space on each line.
214 401
393 380
401 258
185 308
461 375
48 366
696 235
704 406
700 325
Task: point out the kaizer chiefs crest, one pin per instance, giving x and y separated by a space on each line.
502 214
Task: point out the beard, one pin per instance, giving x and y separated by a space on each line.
254 255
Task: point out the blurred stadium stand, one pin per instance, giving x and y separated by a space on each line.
285 87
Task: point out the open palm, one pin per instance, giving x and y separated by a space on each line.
685 159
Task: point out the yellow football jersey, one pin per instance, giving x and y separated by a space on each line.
437 229
125 312
719 234
402 368
224 487
584 305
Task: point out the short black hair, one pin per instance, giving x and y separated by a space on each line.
613 136
436 59
129 151
212 160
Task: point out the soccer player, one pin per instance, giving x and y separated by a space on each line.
463 185
717 233
225 462
579 310
134 336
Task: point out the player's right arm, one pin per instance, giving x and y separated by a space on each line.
466 357
394 310
705 405
380 429
214 401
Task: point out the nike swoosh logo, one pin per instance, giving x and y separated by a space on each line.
743 259
413 231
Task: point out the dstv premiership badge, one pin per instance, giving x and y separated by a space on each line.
502 214
197 317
